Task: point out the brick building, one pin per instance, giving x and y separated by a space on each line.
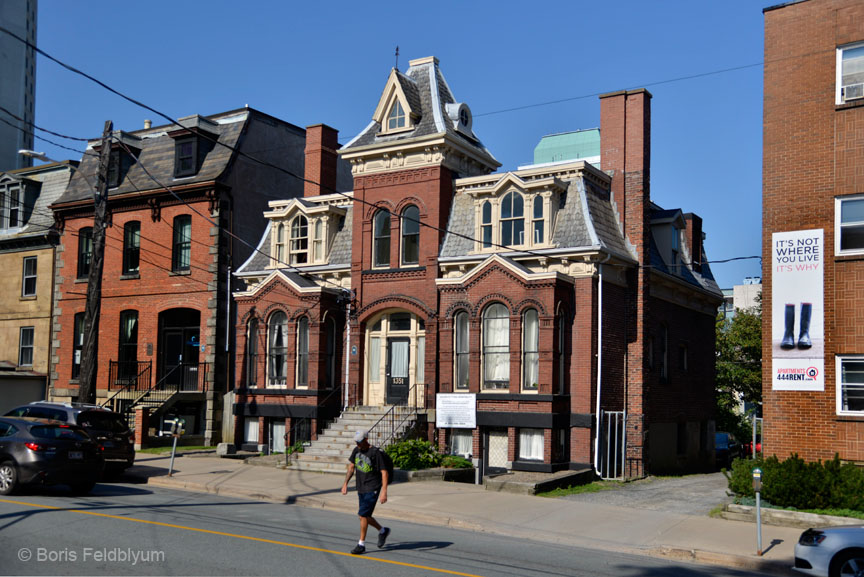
27 241
813 203
525 292
175 194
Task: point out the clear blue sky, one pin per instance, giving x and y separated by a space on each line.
327 62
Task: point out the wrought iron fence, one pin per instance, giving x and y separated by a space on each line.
133 375
395 421
612 444
184 377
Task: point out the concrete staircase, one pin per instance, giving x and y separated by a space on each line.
330 452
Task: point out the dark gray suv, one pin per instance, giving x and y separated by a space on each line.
108 428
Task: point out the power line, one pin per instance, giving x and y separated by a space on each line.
57 144
19 119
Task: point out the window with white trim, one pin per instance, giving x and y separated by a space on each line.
486 224
461 352
396 119
381 239
461 442
303 352
850 385
280 244
28 277
299 240
849 225
530 352
25 347
530 444
512 219
11 199
538 223
496 347
850 73
318 241
252 353
410 222
277 349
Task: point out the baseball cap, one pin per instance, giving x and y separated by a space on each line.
359 436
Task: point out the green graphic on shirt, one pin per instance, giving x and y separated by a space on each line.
363 463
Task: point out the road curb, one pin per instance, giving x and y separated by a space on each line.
431 518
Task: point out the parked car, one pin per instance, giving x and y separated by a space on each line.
726 449
108 428
45 452
831 552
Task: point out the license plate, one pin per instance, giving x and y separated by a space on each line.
107 444
76 455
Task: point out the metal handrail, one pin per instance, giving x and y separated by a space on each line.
385 429
127 386
291 432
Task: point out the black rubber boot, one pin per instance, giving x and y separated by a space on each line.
788 341
804 336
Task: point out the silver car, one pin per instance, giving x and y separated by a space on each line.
831 552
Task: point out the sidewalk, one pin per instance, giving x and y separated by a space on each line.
592 525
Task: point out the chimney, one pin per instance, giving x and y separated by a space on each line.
694 239
321 158
147 123
625 153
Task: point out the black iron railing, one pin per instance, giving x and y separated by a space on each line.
184 377
393 424
129 375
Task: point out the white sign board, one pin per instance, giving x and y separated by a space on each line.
456 410
797 311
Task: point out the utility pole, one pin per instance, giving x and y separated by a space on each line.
90 352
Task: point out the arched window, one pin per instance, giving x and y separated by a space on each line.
539 225
299 240
277 343
486 226
410 235
496 347
381 240
252 353
462 353
530 353
280 245
396 118
303 352
512 219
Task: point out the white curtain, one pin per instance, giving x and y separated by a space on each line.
461 442
531 444
374 360
421 359
251 426
496 345
531 358
399 356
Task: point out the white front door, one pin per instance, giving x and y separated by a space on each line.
277 436
498 452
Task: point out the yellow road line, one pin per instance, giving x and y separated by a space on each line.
236 536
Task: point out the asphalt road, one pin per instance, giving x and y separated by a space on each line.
124 529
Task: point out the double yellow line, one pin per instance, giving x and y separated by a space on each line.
236 536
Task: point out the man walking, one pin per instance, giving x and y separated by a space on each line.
372 480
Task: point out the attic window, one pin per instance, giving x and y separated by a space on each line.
396 119
185 156
118 166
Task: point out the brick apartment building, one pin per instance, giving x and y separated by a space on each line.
813 247
529 290
164 338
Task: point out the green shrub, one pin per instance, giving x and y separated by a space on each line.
414 454
456 462
801 485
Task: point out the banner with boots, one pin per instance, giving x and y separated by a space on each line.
797 311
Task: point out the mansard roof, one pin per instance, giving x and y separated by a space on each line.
47 183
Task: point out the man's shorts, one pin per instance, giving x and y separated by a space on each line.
367 503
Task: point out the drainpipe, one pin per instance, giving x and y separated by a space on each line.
599 360
347 350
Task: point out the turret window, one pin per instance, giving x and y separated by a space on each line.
396 119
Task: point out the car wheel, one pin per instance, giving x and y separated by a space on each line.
83 488
848 563
8 478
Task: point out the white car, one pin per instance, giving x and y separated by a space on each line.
831 552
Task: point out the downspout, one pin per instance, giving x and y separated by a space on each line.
599 361
347 351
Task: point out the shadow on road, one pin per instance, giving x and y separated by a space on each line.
417 545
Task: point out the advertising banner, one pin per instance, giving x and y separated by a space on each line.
797 311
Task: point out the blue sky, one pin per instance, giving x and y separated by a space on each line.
327 62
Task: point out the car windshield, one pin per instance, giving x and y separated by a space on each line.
38 413
102 421
721 440
64 432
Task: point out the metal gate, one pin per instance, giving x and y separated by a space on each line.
612 445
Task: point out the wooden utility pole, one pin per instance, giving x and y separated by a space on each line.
90 349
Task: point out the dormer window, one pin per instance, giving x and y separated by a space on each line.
186 156
676 245
396 118
512 219
118 166
538 221
299 240
10 206
280 244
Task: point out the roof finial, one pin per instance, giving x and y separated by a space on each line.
397 57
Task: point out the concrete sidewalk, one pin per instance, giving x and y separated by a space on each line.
592 525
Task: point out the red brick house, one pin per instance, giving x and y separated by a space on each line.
813 214
164 331
526 292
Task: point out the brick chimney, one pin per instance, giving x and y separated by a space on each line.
625 151
694 239
321 158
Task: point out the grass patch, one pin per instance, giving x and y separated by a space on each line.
717 511
594 487
852 513
167 449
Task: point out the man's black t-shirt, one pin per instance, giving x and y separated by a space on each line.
368 465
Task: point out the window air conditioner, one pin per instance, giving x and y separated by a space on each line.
853 91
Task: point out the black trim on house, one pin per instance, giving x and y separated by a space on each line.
275 410
582 420
526 420
527 397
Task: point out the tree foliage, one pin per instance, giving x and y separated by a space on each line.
739 366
